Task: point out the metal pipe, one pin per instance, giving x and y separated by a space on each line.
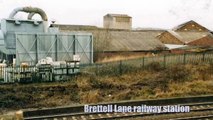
29 10
30 16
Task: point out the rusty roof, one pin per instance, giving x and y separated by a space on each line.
187 37
176 28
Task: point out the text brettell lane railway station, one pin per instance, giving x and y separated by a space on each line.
142 108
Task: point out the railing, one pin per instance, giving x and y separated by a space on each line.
43 73
53 73
123 66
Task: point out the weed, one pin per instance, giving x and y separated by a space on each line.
91 97
178 73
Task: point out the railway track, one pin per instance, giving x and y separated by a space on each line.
202 104
206 117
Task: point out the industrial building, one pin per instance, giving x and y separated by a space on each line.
117 21
186 34
112 42
119 40
187 37
32 40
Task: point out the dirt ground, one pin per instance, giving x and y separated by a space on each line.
175 81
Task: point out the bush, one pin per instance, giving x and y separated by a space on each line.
155 66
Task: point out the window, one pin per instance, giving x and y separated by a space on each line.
122 19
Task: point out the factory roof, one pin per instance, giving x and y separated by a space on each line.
121 40
187 37
133 41
73 27
204 41
190 26
118 15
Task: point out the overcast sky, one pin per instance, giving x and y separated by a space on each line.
145 13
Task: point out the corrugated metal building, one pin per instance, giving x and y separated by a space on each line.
113 42
120 40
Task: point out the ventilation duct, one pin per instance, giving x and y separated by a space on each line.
30 16
31 10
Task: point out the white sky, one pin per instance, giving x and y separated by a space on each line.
145 13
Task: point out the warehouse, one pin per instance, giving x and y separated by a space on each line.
118 39
114 42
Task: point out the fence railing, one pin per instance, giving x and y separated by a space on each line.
44 73
123 66
50 73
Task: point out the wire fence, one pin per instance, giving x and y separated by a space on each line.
47 73
125 66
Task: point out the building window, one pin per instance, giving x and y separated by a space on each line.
122 19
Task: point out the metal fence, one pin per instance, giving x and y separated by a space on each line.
50 73
44 73
124 66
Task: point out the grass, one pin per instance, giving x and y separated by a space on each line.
7 117
133 83
120 57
